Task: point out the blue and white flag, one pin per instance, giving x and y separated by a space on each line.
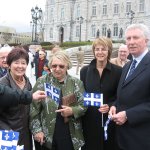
106 128
9 140
93 99
52 92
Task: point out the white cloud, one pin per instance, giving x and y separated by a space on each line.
17 13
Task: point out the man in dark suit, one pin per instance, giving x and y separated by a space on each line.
131 111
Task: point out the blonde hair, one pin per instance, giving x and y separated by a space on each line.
104 41
62 55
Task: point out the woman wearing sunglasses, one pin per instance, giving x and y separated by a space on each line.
48 122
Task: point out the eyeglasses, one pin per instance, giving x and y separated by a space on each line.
2 58
60 66
102 50
122 51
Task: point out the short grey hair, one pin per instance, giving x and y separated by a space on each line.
142 27
62 55
122 46
5 49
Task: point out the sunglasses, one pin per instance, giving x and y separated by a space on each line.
60 66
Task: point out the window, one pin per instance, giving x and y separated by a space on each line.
51 33
51 13
62 13
105 9
128 7
78 11
115 30
93 31
77 31
141 5
52 1
104 29
116 8
93 10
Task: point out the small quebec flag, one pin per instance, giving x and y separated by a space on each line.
9 140
52 92
93 99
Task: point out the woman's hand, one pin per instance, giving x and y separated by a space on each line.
39 137
104 108
66 111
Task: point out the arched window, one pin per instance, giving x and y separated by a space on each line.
51 33
94 9
78 11
115 30
104 30
51 13
62 13
93 31
77 31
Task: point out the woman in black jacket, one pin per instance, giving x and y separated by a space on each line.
100 76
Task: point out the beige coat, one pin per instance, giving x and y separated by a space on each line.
118 62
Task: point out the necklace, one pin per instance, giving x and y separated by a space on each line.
19 81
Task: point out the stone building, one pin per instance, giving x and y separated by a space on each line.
83 20
9 35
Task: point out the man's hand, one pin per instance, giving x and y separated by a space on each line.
120 118
66 111
112 111
39 137
39 95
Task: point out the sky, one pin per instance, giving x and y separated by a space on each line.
17 13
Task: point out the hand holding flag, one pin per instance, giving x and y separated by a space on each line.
93 99
52 92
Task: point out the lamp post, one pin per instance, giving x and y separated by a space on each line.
80 19
32 25
131 14
36 16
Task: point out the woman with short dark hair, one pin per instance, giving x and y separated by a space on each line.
16 117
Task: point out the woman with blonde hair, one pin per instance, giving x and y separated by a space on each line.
100 76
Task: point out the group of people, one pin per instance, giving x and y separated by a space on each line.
123 83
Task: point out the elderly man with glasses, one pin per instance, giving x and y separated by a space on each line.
3 56
122 59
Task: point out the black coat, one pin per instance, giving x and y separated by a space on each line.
11 97
92 121
16 117
134 97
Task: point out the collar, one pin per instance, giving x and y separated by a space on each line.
93 64
139 58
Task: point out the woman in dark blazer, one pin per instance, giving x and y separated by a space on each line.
100 76
16 117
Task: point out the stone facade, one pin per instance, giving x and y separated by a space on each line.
9 35
83 20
